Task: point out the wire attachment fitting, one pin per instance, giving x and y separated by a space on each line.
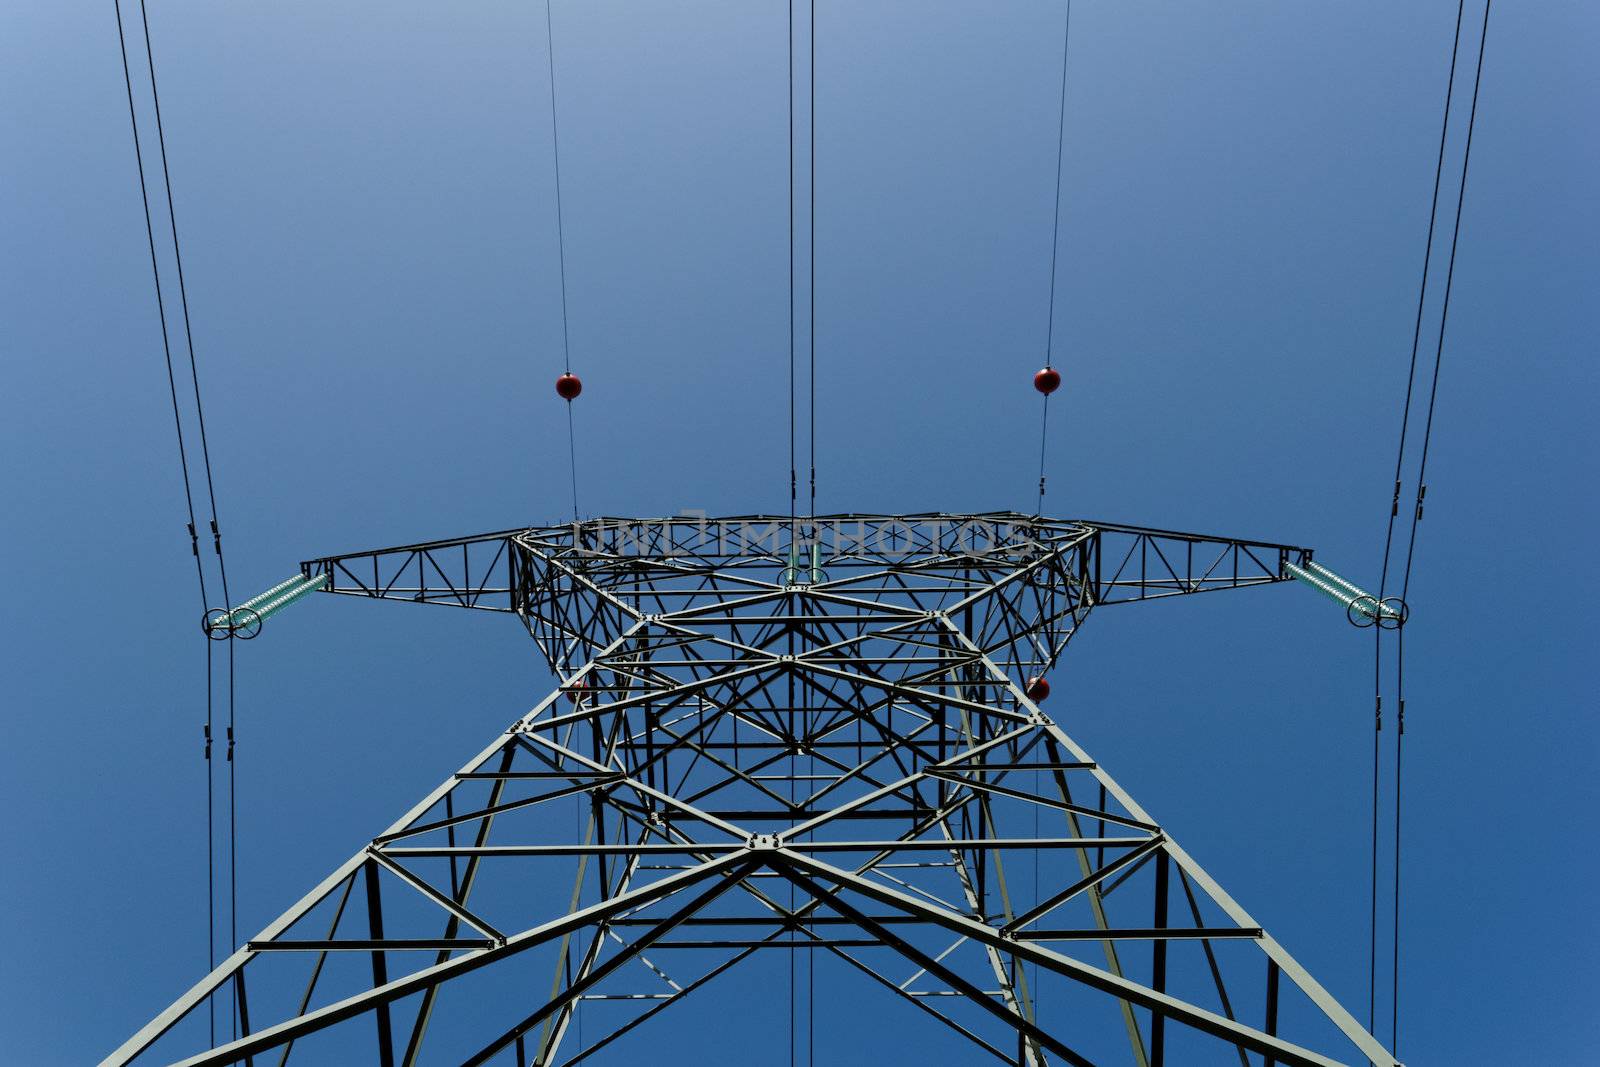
1361 607
244 621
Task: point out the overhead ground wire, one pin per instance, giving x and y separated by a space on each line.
811 289
794 486
1055 225
1055 246
561 249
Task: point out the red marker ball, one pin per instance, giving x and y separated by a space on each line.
1037 689
568 386
1047 380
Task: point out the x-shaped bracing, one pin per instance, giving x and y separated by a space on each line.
844 764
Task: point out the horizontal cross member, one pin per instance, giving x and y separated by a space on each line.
577 586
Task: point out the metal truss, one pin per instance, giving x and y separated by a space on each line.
782 742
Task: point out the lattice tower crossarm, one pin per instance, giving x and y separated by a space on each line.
838 757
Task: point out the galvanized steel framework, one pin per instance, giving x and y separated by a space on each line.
784 742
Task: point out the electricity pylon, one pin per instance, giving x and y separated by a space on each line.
811 735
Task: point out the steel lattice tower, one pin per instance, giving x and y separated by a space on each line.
810 735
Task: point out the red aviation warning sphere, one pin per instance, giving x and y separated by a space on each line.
568 386
1037 688
1047 380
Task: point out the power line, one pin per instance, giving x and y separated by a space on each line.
1422 484
794 739
1055 245
811 291
183 299
811 333
188 488
793 476
1422 296
572 461
1394 510
1417 509
561 250
161 310
1399 796
1055 225
555 152
211 854
1044 437
1444 312
1372 923
211 495
233 827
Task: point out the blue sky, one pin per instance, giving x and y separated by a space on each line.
365 197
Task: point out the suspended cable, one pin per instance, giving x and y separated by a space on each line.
1044 437
1444 312
555 152
572 461
1399 796
794 742
1372 924
1422 296
792 574
583 835
161 310
567 386
1048 379
1417 510
183 299
215 523
1394 510
811 290
211 857
233 830
794 486
211 494
184 466
1055 226
1422 484
1038 791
